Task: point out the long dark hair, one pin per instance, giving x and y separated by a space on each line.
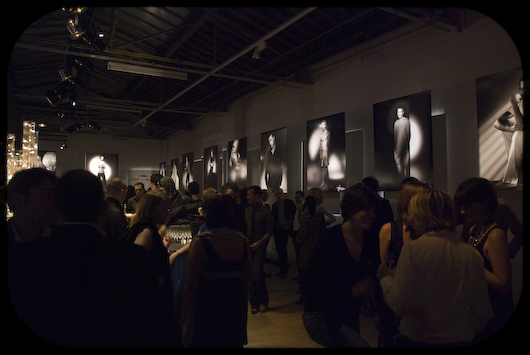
311 204
476 190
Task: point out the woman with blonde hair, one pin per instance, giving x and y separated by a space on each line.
153 209
392 237
438 287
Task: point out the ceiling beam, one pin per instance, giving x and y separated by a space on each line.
230 60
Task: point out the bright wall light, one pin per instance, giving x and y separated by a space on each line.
137 69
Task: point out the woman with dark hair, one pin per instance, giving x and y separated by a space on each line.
392 237
153 209
476 200
340 274
214 313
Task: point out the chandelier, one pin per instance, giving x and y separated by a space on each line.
24 158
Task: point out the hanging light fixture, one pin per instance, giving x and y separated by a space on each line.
261 46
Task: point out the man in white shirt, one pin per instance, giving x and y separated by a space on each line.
438 287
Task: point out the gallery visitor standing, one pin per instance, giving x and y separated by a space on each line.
260 227
153 209
340 274
220 267
438 287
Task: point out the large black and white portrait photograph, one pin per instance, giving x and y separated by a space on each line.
274 160
403 140
211 164
326 157
174 171
162 168
187 171
500 113
237 162
103 165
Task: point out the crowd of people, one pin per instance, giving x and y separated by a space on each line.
85 270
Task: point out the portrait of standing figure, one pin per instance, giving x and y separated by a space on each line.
500 113
401 143
174 171
274 160
187 170
102 165
210 167
403 140
237 162
326 160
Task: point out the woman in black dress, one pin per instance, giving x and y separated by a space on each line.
215 306
153 209
340 274
476 200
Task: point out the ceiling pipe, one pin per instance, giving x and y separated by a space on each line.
227 62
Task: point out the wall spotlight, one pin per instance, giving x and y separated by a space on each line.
63 146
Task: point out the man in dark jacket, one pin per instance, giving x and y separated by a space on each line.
115 223
283 211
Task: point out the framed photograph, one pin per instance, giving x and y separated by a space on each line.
403 140
174 171
103 165
187 171
237 162
500 113
273 160
162 168
211 166
326 158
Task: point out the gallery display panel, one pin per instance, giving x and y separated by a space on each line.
403 140
326 158
500 113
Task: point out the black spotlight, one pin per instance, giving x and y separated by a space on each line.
94 125
57 95
73 128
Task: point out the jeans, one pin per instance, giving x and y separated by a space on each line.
258 289
281 236
316 324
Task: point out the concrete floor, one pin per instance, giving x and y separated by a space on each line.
281 325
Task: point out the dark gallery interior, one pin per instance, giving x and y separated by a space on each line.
205 94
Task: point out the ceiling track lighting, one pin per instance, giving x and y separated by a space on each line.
79 125
90 35
260 47
72 27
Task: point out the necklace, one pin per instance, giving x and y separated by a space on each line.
475 238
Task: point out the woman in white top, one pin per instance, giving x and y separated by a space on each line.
438 287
